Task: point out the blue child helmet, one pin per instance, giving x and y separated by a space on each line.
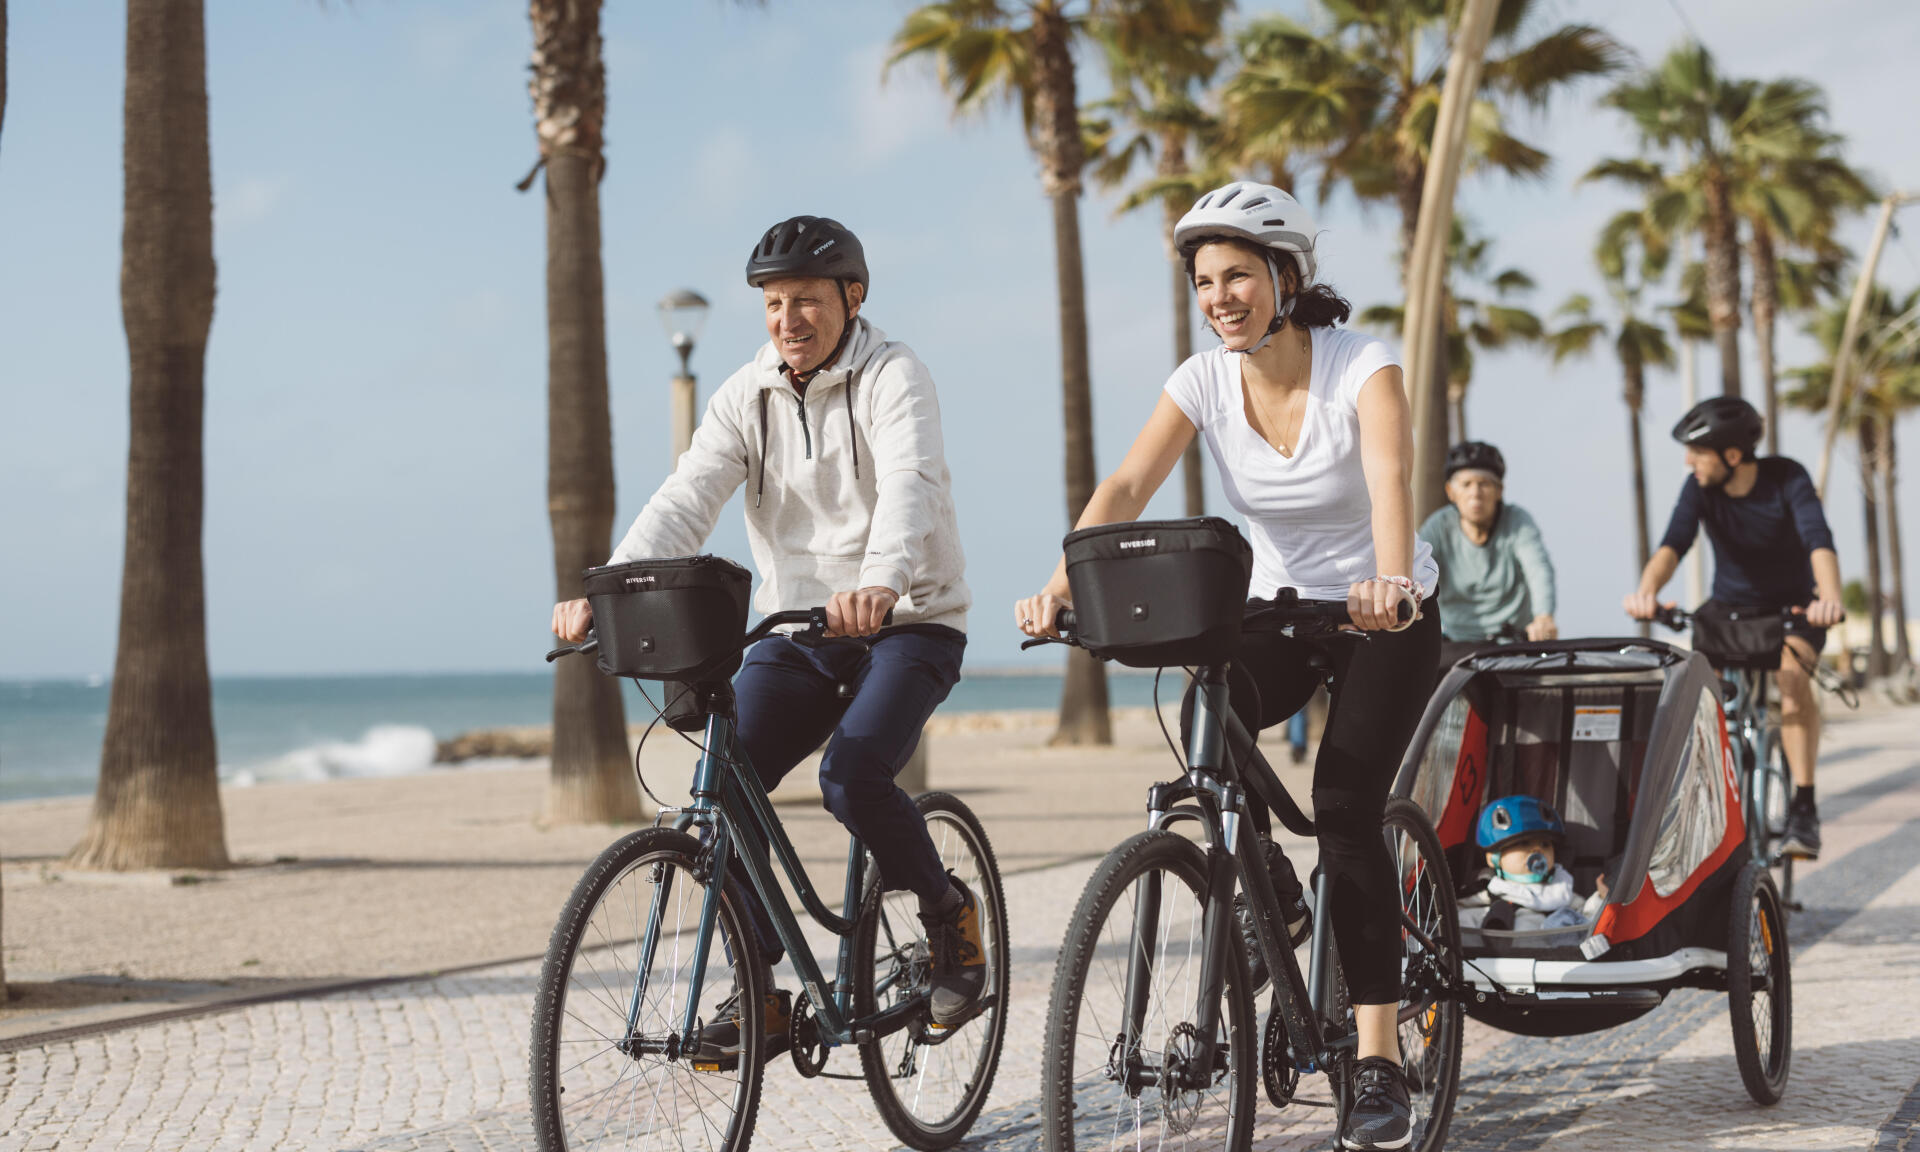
1513 817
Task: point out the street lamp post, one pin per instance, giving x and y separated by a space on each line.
683 313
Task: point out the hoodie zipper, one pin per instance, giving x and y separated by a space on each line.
806 433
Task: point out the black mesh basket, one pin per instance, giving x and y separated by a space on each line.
673 619
1159 593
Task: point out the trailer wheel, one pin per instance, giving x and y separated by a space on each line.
1759 984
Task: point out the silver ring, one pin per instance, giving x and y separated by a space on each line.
1024 621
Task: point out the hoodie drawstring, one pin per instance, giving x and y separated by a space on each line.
853 438
762 489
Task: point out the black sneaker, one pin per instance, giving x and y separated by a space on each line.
1802 835
720 1041
1382 1116
959 959
1293 900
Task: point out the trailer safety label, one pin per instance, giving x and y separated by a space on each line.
1595 723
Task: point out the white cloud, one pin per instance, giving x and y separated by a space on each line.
249 201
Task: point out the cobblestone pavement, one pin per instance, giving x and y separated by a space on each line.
438 1065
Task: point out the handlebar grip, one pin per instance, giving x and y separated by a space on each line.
1064 620
1403 612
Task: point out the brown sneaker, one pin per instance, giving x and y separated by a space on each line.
959 959
720 1041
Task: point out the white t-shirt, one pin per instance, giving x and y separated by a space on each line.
1308 516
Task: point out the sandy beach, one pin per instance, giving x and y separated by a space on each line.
355 879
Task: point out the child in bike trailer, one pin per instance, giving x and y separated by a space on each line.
1528 889
1310 428
1772 550
836 432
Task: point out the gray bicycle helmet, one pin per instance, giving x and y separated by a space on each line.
806 246
1720 423
1478 456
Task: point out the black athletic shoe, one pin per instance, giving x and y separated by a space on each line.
1802 836
959 959
720 1041
1293 900
1382 1117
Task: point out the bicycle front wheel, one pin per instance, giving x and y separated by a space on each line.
1431 1021
610 1066
1124 1065
930 1084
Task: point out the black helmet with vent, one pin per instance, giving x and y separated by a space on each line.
1721 423
1478 456
807 246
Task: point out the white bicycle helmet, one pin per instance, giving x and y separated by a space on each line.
1263 215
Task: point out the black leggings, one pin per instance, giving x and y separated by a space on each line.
1379 688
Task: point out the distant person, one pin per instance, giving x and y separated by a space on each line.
1496 582
835 431
1772 550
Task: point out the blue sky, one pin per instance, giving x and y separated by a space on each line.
376 375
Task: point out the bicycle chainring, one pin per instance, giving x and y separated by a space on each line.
804 1043
1277 1069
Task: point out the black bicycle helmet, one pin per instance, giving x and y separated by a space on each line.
1721 423
807 246
1477 455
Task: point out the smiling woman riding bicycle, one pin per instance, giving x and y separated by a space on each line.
1311 431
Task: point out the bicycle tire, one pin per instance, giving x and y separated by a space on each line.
930 1093
1431 1019
1082 1105
576 1071
1759 984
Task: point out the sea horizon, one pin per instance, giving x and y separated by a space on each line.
322 726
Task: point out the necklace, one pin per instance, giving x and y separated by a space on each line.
1277 432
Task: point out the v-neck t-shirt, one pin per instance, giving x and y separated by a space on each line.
1308 516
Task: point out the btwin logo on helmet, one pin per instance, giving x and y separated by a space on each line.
1147 543
824 247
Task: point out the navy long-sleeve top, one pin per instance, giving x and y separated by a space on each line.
1763 542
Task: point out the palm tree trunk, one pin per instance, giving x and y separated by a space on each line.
1766 306
157 804
3 120
1723 283
1192 463
1642 538
591 779
1897 588
1457 412
1876 600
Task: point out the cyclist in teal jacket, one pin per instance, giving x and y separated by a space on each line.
1496 581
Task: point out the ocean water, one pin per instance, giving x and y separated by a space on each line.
321 728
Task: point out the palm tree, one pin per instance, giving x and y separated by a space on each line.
1021 52
1155 61
1486 321
1887 375
1793 186
1362 98
591 780
1632 259
3 120
157 804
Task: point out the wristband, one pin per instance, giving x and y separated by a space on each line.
1410 586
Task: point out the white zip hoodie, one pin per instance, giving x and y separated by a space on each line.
845 495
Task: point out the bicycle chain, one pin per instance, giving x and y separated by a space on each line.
1277 1069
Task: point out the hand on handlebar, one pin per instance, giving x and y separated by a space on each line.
1823 613
572 619
1644 605
860 613
1374 606
1039 615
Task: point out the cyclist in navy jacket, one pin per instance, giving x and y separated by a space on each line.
1771 550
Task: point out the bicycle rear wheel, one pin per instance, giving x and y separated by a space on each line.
1431 1020
1144 909
930 1084
609 1065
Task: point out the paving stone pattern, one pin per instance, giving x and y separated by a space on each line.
438 1065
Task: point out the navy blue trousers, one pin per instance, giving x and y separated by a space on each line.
788 702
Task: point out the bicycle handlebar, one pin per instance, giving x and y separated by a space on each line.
815 620
1285 610
1678 619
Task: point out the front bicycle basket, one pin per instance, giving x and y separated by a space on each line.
1732 636
678 618
1159 593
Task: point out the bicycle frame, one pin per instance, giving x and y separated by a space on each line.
1212 783
730 802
